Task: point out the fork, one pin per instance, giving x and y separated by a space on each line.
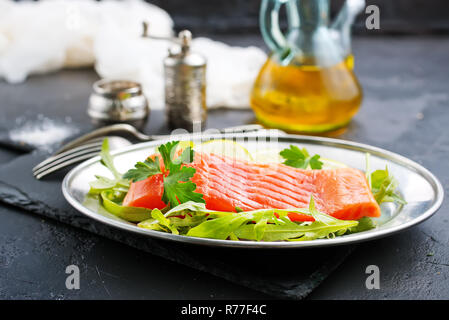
89 145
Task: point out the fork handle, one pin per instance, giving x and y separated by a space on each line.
105 131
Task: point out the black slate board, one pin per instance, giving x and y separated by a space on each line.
289 274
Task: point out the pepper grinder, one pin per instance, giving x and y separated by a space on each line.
185 83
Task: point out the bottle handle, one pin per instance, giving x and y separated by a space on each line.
269 24
344 20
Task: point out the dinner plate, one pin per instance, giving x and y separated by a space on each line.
419 187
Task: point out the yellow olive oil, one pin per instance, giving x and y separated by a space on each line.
306 98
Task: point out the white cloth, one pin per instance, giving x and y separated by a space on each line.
43 36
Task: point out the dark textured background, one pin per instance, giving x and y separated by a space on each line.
405 109
230 16
236 16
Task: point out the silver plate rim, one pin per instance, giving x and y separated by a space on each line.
339 143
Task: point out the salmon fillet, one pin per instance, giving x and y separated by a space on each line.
228 183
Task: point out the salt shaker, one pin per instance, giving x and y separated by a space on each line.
118 101
185 85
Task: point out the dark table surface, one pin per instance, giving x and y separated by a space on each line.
405 110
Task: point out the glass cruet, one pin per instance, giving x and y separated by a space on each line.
307 84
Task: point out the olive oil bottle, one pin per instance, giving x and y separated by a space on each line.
307 85
306 98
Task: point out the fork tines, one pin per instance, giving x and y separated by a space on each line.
53 163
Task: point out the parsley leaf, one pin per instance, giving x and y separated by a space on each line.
143 170
300 158
177 185
178 188
150 167
167 152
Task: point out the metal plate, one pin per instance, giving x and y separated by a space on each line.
422 191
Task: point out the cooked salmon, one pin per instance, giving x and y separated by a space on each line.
227 183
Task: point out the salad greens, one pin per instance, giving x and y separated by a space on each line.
259 225
186 212
110 202
102 183
383 185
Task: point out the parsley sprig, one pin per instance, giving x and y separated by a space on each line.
143 170
178 187
300 158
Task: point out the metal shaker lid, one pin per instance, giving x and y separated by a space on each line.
117 101
181 53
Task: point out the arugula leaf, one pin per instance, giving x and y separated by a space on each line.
151 224
365 223
103 183
189 206
111 203
293 231
106 159
323 226
300 158
143 170
182 217
259 228
259 225
163 221
233 237
188 220
368 168
193 219
383 186
219 228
